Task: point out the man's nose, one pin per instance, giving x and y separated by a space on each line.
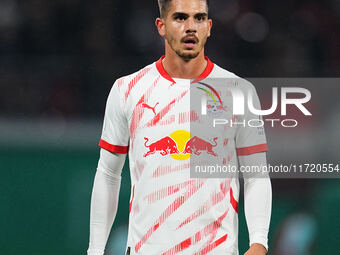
190 26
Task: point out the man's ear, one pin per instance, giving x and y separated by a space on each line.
160 26
210 26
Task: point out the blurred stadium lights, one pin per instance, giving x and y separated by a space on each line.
225 11
336 5
9 16
305 25
252 27
297 235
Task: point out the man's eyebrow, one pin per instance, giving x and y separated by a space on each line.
201 15
180 14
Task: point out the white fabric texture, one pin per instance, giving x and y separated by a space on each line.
115 125
104 200
257 199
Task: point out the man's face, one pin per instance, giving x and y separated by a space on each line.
186 27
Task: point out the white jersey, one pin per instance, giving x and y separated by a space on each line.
148 116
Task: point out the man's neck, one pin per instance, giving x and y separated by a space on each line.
176 67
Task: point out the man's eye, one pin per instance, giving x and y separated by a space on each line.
200 18
181 18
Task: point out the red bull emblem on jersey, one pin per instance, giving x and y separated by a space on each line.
180 145
166 146
196 145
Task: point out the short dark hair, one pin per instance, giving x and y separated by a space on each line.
164 6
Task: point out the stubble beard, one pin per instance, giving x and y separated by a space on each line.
185 56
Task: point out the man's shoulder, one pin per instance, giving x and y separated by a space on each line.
136 75
221 73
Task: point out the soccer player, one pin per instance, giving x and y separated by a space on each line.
148 116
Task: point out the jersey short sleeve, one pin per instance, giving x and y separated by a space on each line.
115 134
250 135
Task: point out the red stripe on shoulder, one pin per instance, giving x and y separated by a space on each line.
113 148
120 81
252 149
136 79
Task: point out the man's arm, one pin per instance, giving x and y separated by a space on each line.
257 203
104 200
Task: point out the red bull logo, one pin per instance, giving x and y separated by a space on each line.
180 145
166 146
196 145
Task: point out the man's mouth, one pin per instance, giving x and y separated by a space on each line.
190 42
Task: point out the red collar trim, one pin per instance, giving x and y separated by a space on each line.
162 71
205 74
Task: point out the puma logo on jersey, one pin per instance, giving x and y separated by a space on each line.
149 107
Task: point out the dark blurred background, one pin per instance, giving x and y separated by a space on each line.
58 60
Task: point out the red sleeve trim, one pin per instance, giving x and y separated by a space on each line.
113 148
252 149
